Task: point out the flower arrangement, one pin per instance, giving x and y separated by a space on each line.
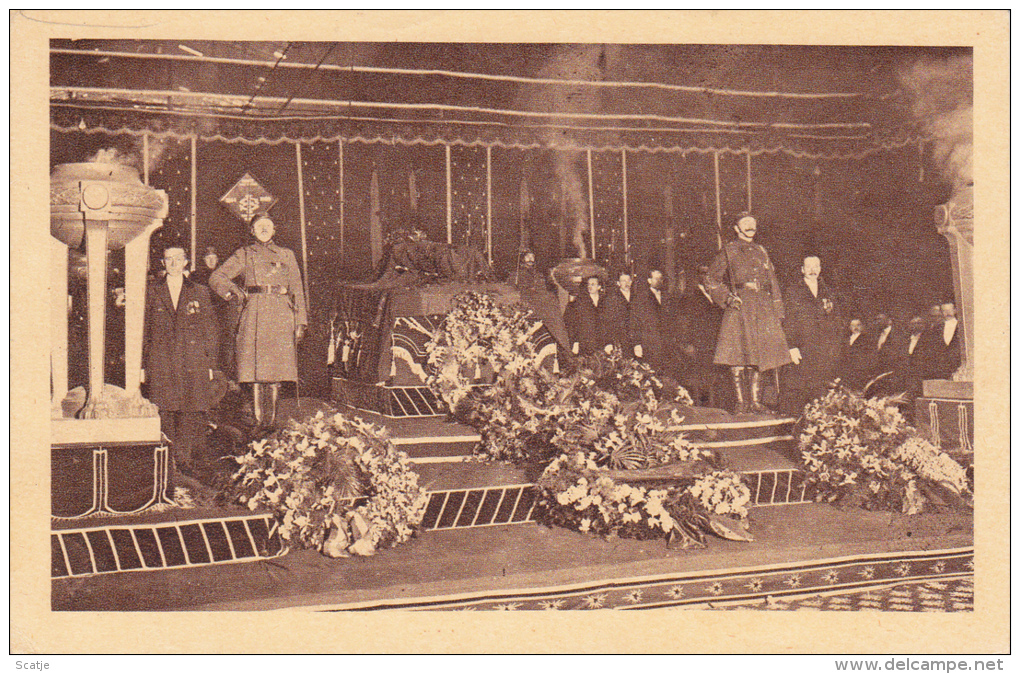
589 431
475 333
605 403
576 493
861 451
335 484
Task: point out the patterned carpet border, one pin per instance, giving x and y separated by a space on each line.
782 582
947 595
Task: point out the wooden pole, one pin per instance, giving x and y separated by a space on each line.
449 199
145 158
718 202
340 148
591 206
748 180
488 202
626 232
194 199
301 212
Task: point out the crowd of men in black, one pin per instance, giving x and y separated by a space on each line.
675 331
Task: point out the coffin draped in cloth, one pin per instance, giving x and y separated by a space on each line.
379 337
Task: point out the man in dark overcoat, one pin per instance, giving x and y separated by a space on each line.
944 344
648 318
585 319
742 279
812 327
619 303
179 350
857 356
273 318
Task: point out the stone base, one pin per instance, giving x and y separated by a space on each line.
113 478
945 388
948 423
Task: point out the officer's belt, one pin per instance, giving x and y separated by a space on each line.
267 290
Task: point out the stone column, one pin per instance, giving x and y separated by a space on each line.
136 267
955 221
58 324
96 235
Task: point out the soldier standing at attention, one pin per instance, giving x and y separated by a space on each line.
273 315
743 281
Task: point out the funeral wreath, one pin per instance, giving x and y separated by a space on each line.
861 451
337 485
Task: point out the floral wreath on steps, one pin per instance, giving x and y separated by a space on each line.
603 434
335 484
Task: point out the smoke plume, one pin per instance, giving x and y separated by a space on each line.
572 62
942 100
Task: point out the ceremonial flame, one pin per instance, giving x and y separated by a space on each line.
111 155
942 99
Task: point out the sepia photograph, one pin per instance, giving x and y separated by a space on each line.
567 323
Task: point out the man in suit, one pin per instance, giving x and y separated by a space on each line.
944 344
812 326
585 319
179 351
619 305
914 358
648 318
697 326
857 360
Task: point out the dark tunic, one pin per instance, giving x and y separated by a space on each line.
266 350
179 347
751 334
815 332
543 303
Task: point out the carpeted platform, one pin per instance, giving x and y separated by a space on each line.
519 560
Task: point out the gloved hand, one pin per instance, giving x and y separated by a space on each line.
638 351
795 356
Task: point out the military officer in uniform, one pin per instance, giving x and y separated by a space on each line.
743 281
273 315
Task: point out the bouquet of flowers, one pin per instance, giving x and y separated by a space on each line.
861 451
336 484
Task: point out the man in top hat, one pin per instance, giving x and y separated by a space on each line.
179 350
273 315
742 279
